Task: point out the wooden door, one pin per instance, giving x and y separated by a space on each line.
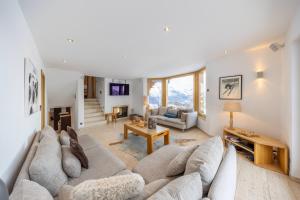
43 101
90 87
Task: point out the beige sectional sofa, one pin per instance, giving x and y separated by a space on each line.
102 164
183 123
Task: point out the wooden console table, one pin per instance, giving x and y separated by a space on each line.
263 148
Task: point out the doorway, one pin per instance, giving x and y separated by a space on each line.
43 100
89 87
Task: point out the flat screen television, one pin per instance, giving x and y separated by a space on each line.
118 89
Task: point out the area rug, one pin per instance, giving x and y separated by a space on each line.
136 145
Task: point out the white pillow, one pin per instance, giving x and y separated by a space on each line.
206 160
71 164
64 138
113 188
188 187
26 190
48 130
177 165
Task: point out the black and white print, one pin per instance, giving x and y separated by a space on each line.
31 88
230 87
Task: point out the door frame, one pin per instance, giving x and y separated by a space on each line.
43 100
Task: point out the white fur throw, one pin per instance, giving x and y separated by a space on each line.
114 188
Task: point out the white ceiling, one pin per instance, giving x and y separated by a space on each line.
125 38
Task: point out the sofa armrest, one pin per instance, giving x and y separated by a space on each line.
191 119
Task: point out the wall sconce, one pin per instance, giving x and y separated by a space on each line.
259 74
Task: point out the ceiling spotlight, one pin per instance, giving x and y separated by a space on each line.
166 29
69 40
65 61
226 52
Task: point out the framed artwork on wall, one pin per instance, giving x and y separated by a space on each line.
31 88
230 87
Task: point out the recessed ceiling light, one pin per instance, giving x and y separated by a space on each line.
65 61
166 29
226 52
69 40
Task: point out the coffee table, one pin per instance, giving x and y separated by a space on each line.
150 134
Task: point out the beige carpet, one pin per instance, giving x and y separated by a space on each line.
253 183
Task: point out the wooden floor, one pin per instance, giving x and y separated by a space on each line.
253 183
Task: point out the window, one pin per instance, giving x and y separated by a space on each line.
155 93
180 91
202 93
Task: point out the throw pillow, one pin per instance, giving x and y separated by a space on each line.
70 162
48 130
151 188
177 165
46 166
27 189
77 150
64 138
206 160
183 117
185 187
170 115
162 110
72 133
154 111
112 188
173 111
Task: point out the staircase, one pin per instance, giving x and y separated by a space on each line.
93 114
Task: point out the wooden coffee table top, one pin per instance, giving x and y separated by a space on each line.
145 130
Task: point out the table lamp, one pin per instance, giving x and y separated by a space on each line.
232 107
146 104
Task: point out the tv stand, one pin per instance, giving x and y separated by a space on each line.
267 152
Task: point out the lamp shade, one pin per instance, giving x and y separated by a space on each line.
145 100
232 107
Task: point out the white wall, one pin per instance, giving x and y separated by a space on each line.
62 88
79 103
291 108
16 129
261 103
100 91
134 100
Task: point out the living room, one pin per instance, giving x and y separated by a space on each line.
127 100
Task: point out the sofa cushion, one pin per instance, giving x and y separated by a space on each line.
173 120
48 130
112 188
148 166
184 110
183 117
71 164
64 138
102 164
29 190
162 110
226 174
46 167
185 187
177 165
172 110
65 192
77 150
206 160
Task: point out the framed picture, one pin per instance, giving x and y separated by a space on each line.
230 87
31 88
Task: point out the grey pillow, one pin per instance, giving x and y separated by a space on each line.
64 138
26 190
206 160
151 188
177 165
48 130
112 188
162 110
70 163
185 187
46 166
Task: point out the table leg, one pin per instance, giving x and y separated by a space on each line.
125 133
149 145
167 138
